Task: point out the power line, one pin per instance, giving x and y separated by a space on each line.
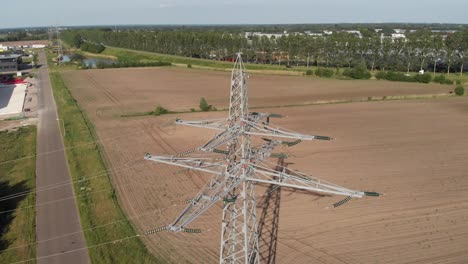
78 249
71 147
56 185
159 210
59 200
113 187
65 183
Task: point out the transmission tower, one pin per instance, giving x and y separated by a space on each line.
237 165
50 32
59 46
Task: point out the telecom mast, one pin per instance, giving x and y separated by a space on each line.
237 165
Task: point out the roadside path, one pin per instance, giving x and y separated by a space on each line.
58 218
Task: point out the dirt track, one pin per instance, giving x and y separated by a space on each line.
414 152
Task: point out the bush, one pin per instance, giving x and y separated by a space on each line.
129 64
423 78
459 90
204 106
189 65
458 82
309 72
442 80
358 72
380 75
160 111
398 77
439 79
323 72
91 47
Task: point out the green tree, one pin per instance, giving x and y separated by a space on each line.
422 45
459 43
451 43
77 40
373 50
437 51
204 106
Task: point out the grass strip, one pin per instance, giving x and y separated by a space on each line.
17 228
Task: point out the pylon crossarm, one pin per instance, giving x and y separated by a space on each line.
264 151
201 164
222 138
270 131
216 189
257 117
269 176
216 124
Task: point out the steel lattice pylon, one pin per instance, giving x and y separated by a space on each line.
237 168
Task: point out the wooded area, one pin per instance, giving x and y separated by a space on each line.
421 49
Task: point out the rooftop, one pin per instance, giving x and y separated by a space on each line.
9 56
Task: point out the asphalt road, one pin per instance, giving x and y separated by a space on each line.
54 217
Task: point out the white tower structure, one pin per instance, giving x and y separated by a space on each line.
237 166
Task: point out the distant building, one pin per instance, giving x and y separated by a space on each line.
398 35
250 35
38 46
10 62
355 32
314 34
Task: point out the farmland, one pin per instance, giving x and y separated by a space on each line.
133 90
412 151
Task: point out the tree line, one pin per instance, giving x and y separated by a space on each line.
21 35
421 49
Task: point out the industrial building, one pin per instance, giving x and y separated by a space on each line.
10 62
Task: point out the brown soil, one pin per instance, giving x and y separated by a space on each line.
176 89
414 152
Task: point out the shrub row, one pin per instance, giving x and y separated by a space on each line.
442 80
358 72
101 65
159 110
323 72
400 77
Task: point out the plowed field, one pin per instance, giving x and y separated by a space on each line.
415 152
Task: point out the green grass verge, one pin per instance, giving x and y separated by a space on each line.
17 228
96 208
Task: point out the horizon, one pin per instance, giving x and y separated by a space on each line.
227 25
241 12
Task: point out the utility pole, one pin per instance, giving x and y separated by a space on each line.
236 167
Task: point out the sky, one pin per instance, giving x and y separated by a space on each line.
34 13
